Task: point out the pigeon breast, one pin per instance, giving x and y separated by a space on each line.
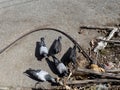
43 50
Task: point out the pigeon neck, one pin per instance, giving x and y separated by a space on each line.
42 43
56 61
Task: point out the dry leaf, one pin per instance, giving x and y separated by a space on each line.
96 68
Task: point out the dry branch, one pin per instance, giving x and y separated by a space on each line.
106 75
113 71
111 41
92 81
92 28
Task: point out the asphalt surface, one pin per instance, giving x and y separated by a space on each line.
20 16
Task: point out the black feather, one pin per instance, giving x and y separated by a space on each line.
56 61
72 55
42 76
61 68
32 74
57 45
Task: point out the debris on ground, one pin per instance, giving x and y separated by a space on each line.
92 71
102 44
96 68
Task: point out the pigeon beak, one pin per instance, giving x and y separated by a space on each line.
24 72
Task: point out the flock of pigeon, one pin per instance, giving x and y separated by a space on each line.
42 75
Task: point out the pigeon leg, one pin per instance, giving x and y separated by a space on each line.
36 84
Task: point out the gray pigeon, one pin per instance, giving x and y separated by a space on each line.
40 75
72 56
57 45
61 68
43 49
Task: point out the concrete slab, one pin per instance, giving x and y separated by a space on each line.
20 16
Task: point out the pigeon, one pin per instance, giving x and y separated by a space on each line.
61 68
72 55
40 75
57 45
43 49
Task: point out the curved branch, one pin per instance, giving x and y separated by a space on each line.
52 29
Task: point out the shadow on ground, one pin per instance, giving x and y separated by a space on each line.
65 58
51 51
52 66
37 54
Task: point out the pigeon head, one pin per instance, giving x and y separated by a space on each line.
42 38
28 72
59 38
56 61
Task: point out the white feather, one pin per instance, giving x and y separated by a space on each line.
61 67
42 74
43 50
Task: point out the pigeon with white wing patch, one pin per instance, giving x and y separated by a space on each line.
61 68
43 49
40 75
72 56
57 45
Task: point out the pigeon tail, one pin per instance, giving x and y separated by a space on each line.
50 78
45 55
53 80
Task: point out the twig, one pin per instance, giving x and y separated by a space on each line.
69 75
90 60
113 71
110 41
113 76
92 28
92 81
68 78
116 45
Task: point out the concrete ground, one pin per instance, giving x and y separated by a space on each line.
20 16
